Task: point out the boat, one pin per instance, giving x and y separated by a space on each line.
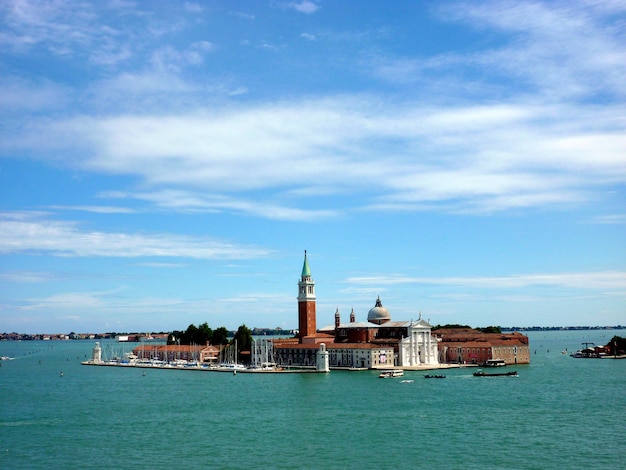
231 366
480 373
588 352
390 374
495 363
427 376
406 381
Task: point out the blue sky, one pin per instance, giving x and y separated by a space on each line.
167 163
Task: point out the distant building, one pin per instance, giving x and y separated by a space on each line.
172 352
377 343
469 346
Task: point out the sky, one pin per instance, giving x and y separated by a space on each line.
167 163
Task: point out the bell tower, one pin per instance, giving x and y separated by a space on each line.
306 302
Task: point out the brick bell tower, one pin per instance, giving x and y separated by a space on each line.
306 302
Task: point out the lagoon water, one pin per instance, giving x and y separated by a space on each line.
559 413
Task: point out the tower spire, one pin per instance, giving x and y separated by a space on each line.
306 302
306 270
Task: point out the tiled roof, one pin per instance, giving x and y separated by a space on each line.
329 346
467 336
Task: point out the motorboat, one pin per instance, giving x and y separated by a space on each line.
390 374
495 363
480 373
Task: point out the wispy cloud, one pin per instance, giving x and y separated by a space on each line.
404 156
606 280
304 6
568 49
190 202
63 238
561 50
96 209
25 276
380 152
610 219
120 309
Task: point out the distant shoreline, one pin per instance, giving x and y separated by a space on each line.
562 328
99 336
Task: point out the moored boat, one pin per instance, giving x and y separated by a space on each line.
428 376
495 363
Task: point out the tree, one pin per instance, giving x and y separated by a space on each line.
204 334
189 335
450 326
174 337
617 346
243 337
220 336
490 329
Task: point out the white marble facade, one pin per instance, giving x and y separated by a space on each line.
419 347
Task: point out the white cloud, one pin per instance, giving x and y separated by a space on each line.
25 276
22 234
571 48
303 6
22 94
410 155
473 158
96 209
186 201
193 7
63 28
606 280
610 219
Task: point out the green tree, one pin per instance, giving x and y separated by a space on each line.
491 329
450 326
189 335
204 334
174 337
243 337
617 345
220 336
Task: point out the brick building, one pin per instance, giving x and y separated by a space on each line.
469 346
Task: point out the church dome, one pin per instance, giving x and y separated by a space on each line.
378 314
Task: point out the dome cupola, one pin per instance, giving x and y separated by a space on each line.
378 314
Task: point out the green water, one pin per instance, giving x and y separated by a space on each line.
559 413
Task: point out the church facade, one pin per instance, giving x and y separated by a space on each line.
377 343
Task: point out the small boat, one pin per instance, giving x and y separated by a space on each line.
390 374
480 373
495 363
427 376
231 367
